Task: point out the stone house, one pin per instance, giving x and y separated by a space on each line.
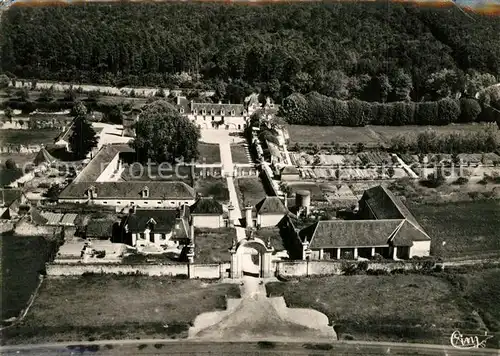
270 211
217 116
151 194
207 212
161 228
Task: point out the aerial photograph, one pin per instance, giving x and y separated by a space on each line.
250 178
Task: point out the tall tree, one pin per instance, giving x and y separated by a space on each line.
164 135
83 139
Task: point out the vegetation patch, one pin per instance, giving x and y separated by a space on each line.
212 187
239 153
28 137
93 307
405 308
250 191
212 245
209 153
459 229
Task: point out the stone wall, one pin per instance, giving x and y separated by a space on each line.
325 268
213 271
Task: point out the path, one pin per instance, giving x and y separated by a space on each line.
406 167
255 316
224 140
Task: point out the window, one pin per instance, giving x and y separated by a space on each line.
163 236
172 203
181 110
222 112
145 203
213 118
196 111
159 202
204 112
105 202
212 111
145 192
232 112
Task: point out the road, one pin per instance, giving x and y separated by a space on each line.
297 347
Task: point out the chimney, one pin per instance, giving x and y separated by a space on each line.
191 105
178 100
220 102
248 216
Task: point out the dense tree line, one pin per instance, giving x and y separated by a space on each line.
321 110
366 51
429 141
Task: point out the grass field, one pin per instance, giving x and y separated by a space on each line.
239 153
209 153
466 228
212 245
368 135
249 190
109 307
28 137
21 260
212 187
403 308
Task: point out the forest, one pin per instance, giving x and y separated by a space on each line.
373 52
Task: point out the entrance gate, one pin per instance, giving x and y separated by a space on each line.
251 257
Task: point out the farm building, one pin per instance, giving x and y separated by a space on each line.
383 226
270 211
207 212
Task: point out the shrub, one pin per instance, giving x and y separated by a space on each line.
10 164
266 344
318 346
363 266
461 181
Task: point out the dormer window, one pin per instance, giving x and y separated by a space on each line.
212 112
181 110
232 112
196 111
204 112
145 192
244 112
222 112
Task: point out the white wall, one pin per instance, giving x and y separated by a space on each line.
267 220
208 221
137 239
420 248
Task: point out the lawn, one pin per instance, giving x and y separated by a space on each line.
239 153
368 135
22 259
402 308
209 153
28 137
466 228
303 134
212 187
249 190
117 307
212 245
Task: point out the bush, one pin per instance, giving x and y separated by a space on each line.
10 164
461 181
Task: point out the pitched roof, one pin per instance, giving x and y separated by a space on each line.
351 233
130 190
270 205
159 221
219 109
100 161
206 206
289 170
385 205
64 136
43 156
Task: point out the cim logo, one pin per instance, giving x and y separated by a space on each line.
460 341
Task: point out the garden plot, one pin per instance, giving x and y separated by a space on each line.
316 192
376 158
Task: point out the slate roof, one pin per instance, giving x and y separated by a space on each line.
270 205
289 170
206 206
385 205
100 161
159 221
130 190
219 109
352 233
43 156
64 136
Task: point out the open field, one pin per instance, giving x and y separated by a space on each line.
249 190
212 187
239 153
466 228
403 308
209 153
28 137
212 245
368 135
21 260
108 307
